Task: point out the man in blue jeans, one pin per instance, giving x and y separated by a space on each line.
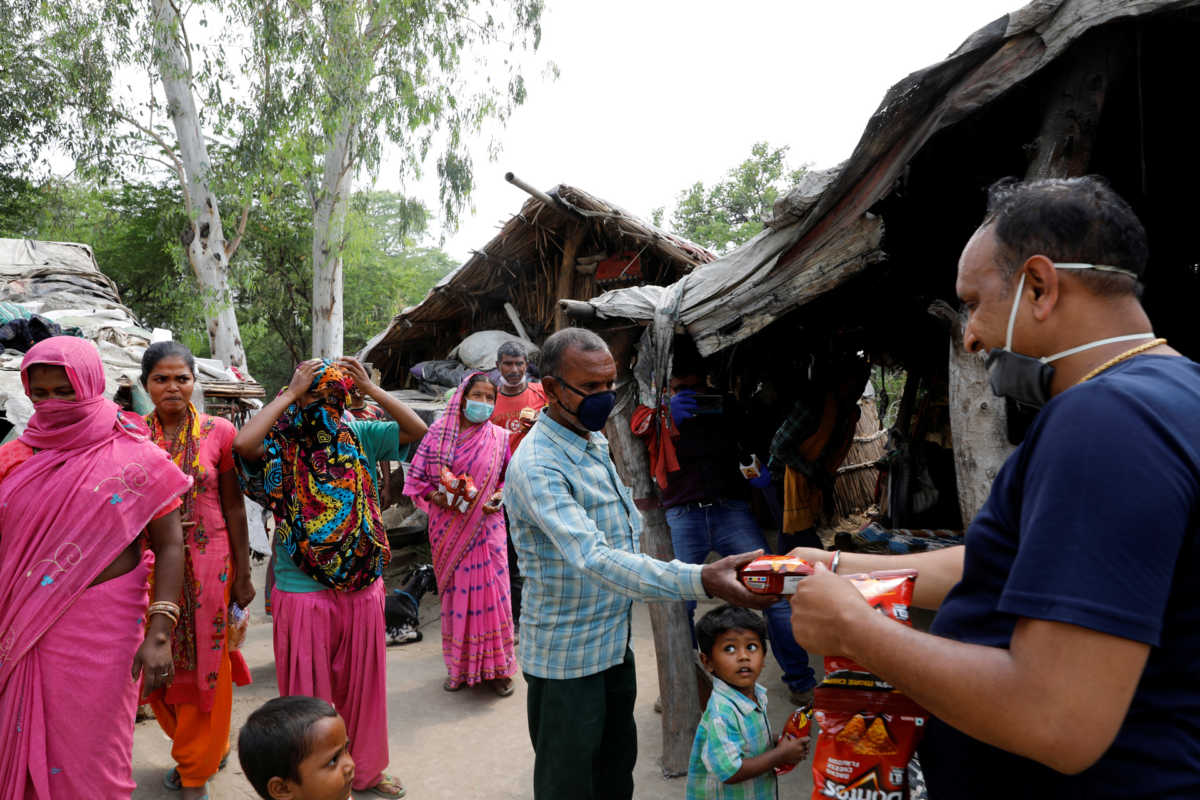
706 502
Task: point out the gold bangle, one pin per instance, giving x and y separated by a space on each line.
163 612
167 605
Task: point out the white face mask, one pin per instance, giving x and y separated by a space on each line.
1027 379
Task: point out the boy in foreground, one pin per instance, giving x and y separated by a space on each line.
734 754
295 748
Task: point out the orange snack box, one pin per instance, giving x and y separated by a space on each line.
774 574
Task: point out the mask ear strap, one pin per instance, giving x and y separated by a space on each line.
1012 315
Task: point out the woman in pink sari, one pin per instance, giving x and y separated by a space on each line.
470 553
76 490
195 710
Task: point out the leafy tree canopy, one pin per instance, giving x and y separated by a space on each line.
134 231
731 211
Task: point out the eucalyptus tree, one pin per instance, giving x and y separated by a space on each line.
351 76
121 88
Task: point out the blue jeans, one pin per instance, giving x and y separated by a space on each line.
729 528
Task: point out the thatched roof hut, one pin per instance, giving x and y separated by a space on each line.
564 243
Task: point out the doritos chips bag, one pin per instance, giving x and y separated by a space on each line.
797 727
865 742
889 592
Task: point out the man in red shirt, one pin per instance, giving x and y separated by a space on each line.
518 402
517 394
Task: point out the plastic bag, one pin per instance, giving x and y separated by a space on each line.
238 622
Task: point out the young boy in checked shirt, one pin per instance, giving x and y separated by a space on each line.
734 754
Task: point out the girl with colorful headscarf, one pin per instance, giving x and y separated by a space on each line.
77 488
195 710
312 465
470 555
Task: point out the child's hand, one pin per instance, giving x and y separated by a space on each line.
791 750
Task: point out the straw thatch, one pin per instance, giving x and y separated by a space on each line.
854 486
541 254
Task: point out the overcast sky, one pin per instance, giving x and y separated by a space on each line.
654 95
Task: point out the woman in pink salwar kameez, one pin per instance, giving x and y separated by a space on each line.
470 554
76 490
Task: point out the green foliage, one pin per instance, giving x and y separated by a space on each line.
274 81
134 231
423 74
731 211
889 386
386 268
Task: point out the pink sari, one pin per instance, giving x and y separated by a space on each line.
67 699
469 550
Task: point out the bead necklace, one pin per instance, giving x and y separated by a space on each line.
1112 362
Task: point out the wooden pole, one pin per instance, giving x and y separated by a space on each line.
1063 149
677 684
566 271
1068 133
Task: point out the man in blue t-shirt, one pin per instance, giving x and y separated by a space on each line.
1063 659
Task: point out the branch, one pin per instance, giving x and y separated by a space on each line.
232 247
144 157
179 170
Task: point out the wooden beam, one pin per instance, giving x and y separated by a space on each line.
1063 149
579 309
566 271
677 680
1075 102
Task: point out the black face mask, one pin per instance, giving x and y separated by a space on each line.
1025 379
593 409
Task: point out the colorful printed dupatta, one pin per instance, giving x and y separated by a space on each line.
317 482
65 514
481 451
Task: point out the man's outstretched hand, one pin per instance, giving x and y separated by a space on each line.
721 580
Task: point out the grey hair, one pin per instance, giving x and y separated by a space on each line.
556 347
513 349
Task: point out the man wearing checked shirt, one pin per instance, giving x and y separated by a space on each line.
577 532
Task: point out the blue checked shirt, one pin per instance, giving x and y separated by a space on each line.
576 532
733 728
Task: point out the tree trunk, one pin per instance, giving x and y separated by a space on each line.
206 244
1063 149
677 684
329 223
977 424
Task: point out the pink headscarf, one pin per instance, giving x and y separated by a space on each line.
64 425
74 506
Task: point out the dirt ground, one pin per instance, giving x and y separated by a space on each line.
466 745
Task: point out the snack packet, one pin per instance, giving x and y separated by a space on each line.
774 574
458 491
889 592
797 727
237 623
865 742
